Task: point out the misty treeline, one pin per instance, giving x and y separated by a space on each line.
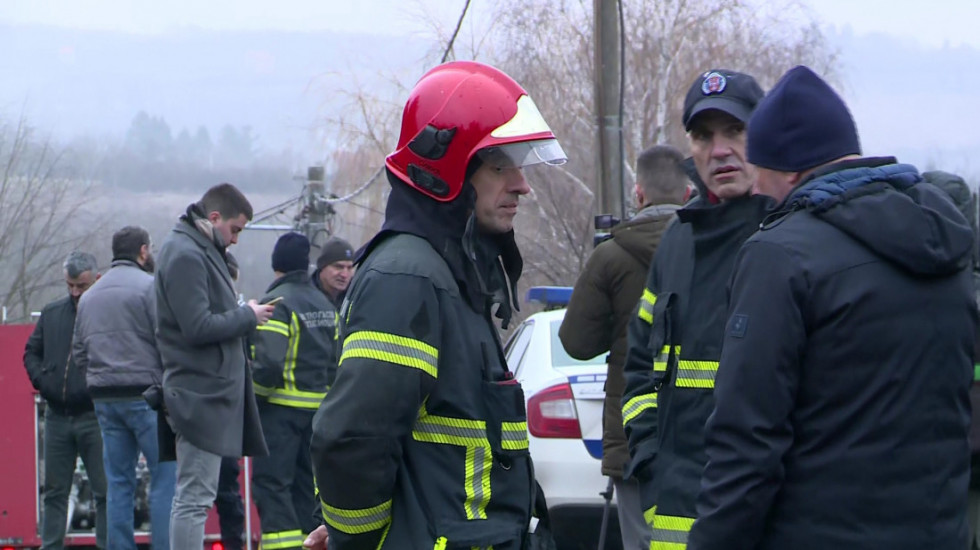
153 157
547 46
54 199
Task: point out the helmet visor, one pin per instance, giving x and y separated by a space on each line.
523 153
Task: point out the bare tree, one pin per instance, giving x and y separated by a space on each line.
547 45
42 218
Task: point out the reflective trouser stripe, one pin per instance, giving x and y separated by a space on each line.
670 532
637 405
283 539
647 302
513 435
355 522
471 435
696 374
391 348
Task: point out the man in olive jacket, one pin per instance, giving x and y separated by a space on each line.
602 302
207 389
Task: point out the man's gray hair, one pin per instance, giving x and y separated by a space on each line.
79 262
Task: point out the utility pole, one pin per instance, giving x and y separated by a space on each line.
314 212
314 223
608 69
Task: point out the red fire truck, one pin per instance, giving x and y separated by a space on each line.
20 454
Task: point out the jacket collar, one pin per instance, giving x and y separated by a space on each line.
210 249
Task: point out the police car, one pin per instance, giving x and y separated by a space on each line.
564 398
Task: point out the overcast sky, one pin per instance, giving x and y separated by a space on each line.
892 115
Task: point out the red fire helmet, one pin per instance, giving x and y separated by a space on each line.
464 108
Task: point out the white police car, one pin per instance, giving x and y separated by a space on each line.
564 418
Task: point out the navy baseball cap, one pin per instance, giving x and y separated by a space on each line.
729 91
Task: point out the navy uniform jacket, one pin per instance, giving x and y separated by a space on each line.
842 404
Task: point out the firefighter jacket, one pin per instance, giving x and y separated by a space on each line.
422 440
294 355
842 403
675 344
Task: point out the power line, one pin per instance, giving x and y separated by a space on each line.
445 56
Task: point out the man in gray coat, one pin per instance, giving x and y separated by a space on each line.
114 344
207 389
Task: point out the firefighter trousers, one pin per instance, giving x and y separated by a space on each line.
283 481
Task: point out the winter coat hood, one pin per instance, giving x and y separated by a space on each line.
889 209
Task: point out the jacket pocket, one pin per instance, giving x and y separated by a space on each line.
480 533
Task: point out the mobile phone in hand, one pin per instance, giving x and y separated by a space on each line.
273 301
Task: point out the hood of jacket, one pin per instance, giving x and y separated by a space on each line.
448 228
640 235
886 207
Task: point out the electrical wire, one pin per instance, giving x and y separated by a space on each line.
445 56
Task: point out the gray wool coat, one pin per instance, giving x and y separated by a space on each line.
207 386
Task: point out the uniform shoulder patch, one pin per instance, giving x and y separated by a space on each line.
738 325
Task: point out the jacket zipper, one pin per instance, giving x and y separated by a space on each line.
64 386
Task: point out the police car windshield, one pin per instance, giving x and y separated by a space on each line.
561 359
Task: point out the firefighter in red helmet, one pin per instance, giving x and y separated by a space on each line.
421 441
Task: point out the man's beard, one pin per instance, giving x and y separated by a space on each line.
149 265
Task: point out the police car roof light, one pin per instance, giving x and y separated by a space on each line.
550 296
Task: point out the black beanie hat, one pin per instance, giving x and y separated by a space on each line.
292 253
334 250
801 123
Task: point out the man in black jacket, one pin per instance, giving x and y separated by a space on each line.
842 399
70 426
676 332
294 360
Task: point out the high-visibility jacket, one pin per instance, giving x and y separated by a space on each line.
674 347
422 440
294 354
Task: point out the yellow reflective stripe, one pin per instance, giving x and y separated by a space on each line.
355 522
440 544
646 306
451 431
696 374
289 371
336 325
637 405
670 532
296 398
660 361
513 435
390 348
477 482
283 539
262 391
384 537
649 514
273 326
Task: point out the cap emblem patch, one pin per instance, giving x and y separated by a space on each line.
714 83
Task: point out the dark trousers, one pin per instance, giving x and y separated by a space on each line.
67 437
231 512
283 481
